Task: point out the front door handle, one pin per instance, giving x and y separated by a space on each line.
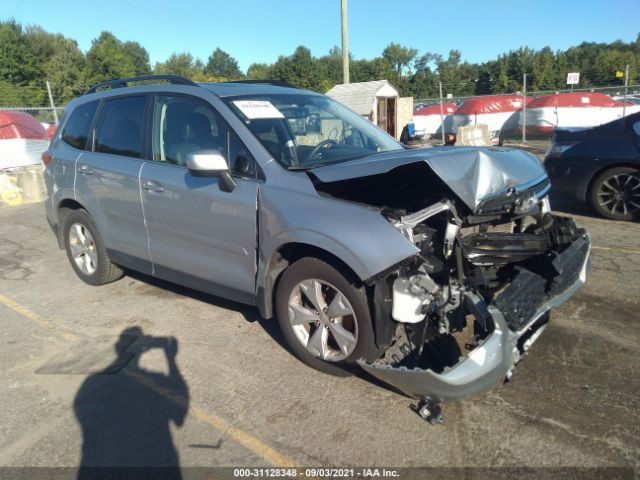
152 186
85 170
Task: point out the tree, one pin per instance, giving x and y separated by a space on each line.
108 59
423 62
331 66
30 56
399 57
366 70
185 65
300 69
139 57
424 82
177 64
21 81
61 63
64 70
543 70
259 71
223 65
40 42
18 64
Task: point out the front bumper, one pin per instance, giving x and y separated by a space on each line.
493 360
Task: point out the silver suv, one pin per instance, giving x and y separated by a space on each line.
433 269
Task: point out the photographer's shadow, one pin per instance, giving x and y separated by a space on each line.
125 416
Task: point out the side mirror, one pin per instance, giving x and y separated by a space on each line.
211 163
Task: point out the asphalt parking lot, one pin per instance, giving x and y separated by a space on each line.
227 392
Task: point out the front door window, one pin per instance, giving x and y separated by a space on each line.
183 125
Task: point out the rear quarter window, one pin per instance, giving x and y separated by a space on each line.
119 126
76 130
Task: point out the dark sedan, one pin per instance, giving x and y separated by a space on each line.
600 166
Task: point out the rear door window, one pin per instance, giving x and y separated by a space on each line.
119 127
636 128
76 130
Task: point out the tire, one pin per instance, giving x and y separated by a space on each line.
78 225
614 192
292 303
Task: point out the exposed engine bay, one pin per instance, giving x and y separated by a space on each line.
488 268
483 257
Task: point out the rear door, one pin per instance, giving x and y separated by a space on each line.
66 148
199 235
107 179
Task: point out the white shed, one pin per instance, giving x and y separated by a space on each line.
376 100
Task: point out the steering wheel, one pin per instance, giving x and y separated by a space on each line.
328 143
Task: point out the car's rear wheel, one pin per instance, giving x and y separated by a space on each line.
324 316
615 193
86 250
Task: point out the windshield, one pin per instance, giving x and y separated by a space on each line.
303 131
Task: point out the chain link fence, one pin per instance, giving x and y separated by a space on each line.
44 115
617 92
513 116
35 100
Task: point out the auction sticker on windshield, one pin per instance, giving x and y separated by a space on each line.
253 109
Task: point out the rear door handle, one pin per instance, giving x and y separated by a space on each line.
152 186
85 170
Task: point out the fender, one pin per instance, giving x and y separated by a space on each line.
359 236
268 254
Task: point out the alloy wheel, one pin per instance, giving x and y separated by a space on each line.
620 194
323 320
83 248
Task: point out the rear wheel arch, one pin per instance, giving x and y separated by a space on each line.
64 207
86 250
610 166
70 204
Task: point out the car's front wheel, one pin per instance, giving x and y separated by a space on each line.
86 250
615 193
324 316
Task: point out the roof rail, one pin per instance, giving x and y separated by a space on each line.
275 83
122 82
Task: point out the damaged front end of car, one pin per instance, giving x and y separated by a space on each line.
454 319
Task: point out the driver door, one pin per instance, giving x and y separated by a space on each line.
199 235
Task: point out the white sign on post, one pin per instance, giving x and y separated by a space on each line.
573 78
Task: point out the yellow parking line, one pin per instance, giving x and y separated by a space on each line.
616 249
243 438
247 440
25 312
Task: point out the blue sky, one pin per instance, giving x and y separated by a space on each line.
260 30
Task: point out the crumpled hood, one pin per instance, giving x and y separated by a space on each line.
475 174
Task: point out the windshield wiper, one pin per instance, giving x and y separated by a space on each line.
303 167
335 162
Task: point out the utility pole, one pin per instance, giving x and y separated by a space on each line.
524 107
626 86
441 113
345 43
